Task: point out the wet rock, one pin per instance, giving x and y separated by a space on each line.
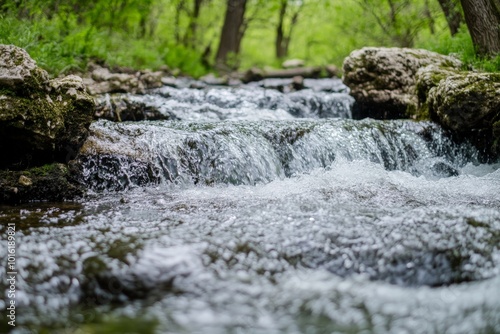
382 80
102 81
253 74
297 83
41 120
211 79
125 107
469 104
169 81
151 79
284 85
442 169
47 183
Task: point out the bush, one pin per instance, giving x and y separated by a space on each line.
462 46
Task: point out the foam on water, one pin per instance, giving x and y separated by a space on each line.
349 248
122 155
217 104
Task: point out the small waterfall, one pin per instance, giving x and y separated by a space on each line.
216 104
122 155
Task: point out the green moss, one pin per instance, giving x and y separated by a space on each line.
46 170
474 223
6 91
48 183
38 115
411 111
90 320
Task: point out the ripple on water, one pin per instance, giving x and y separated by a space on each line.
349 248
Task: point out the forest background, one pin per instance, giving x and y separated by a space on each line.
63 36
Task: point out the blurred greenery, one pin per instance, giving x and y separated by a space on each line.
63 36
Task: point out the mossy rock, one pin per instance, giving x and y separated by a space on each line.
41 120
51 182
382 80
426 79
18 72
469 104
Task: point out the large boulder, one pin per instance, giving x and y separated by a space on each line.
468 103
382 80
41 120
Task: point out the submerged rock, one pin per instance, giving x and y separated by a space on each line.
382 80
41 120
468 103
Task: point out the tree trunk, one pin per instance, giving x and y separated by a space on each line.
452 13
281 52
483 20
428 14
283 38
177 20
231 34
190 38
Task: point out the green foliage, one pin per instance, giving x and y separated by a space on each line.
64 35
66 41
185 59
460 45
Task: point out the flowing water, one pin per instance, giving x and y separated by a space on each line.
248 210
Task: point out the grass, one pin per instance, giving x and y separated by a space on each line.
461 45
64 44
69 52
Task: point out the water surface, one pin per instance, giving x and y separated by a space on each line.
310 225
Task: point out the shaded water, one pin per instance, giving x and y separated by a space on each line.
256 226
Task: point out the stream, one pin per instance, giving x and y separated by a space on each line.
250 210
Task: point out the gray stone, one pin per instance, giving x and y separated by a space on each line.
382 80
126 107
211 79
293 63
468 103
18 70
41 120
103 81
